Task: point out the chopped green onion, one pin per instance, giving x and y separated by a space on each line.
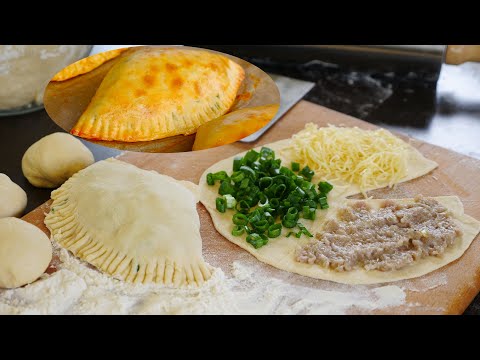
292 213
307 173
230 200
255 216
261 226
267 153
237 176
289 224
237 162
304 230
244 183
226 188
257 240
220 176
262 199
269 217
265 182
298 192
308 213
274 171
286 171
274 230
221 205
242 207
251 156
240 219
268 196
324 187
298 234
210 179
279 190
248 172
274 203
276 164
323 202
238 230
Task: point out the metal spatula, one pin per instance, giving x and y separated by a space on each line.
291 92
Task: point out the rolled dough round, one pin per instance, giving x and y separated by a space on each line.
25 252
13 198
53 159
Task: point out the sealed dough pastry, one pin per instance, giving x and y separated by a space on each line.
136 225
25 252
13 198
53 159
153 93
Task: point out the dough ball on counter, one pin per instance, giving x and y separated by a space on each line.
25 252
54 159
13 198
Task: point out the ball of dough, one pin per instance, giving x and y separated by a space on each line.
13 198
25 252
53 159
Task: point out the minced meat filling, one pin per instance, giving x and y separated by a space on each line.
384 239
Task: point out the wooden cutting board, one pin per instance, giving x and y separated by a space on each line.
446 291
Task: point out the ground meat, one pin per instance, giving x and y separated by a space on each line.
384 239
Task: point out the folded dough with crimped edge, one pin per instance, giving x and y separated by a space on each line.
152 93
136 225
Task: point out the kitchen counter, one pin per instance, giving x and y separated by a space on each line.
445 113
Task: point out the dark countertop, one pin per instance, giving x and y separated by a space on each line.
444 112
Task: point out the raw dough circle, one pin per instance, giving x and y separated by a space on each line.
25 252
54 159
14 198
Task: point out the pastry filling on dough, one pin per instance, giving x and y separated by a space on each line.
384 239
369 159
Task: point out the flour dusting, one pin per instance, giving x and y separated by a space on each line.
78 289
424 284
257 293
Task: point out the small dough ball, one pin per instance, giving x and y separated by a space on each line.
13 199
25 252
54 158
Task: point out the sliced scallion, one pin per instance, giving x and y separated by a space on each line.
230 200
238 230
221 204
324 187
257 240
268 196
274 230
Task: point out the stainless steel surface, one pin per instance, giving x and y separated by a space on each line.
291 92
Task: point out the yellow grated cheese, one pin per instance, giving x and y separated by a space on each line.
369 159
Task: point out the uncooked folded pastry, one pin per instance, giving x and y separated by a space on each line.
280 252
136 225
153 93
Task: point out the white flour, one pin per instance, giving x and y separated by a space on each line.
424 284
78 289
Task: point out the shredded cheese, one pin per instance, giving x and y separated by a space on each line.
369 159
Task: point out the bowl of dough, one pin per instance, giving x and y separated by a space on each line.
25 71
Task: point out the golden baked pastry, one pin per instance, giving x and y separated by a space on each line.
86 65
153 93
